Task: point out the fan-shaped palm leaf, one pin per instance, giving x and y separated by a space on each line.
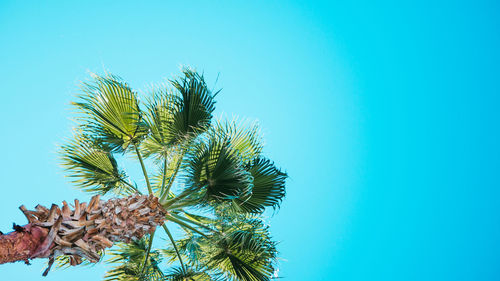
111 112
92 168
246 254
185 246
174 117
178 274
217 169
131 259
244 137
161 110
268 187
243 251
196 108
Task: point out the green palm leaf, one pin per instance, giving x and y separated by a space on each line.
177 116
195 111
244 137
111 112
161 110
268 187
210 177
242 251
91 167
217 169
246 254
178 274
130 259
186 246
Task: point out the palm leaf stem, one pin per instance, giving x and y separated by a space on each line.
164 175
173 200
150 190
175 246
131 186
193 222
181 223
172 178
180 205
150 243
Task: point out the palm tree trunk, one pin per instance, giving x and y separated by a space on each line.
81 232
21 244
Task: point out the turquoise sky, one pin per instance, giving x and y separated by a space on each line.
385 115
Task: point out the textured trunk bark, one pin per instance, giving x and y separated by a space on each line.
81 232
21 244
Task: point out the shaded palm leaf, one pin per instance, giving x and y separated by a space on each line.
243 251
195 111
129 272
111 112
91 168
178 274
217 169
246 254
170 254
268 187
130 259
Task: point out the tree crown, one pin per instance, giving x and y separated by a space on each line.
209 175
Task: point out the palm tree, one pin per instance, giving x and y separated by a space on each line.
207 178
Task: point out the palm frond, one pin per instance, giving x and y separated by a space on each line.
111 112
210 176
244 137
248 254
174 117
91 167
130 259
161 111
268 187
128 272
195 112
190 274
182 244
217 169
243 251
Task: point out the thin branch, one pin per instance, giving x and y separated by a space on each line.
181 223
175 199
172 178
130 185
180 205
151 237
164 175
175 246
193 222
143 169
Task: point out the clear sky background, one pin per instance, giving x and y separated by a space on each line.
384 114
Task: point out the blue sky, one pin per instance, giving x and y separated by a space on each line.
384 114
